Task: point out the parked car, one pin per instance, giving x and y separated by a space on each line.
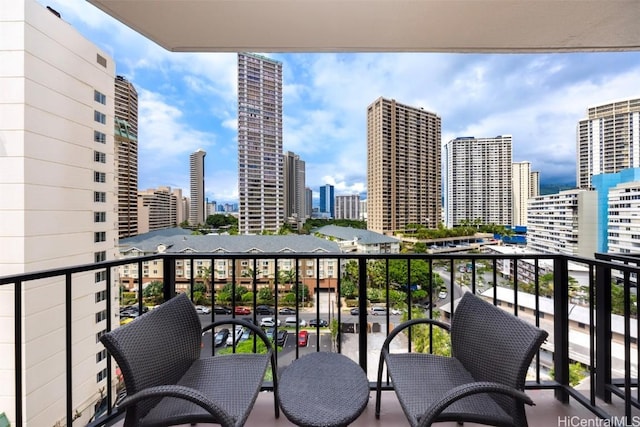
218 309
264 309
236 336
242 310
291 321
378 310
246 334
221 337
395 311
287 310
132 311
355 311
318 322
269 322
281 338
442 294
303 338
269 332
201 309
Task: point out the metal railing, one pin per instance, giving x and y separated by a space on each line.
607 284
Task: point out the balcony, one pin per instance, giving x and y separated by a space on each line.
601 337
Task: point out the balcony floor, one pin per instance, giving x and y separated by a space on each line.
547 412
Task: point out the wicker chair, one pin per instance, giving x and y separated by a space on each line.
483 382
168 383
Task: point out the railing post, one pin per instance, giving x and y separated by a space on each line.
561 326
169 278
603 331
362 308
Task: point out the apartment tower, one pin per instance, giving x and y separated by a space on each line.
294 180
126 145
158 208
260 159
526 184
403 166
478 181
58 208
608 140
328 200
198 201
348 207
308 204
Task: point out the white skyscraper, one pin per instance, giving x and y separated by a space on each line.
478 180
525 185
58 207
608 140
260 159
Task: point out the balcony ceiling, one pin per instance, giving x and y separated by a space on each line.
383 25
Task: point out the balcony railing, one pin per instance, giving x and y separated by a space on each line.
593 322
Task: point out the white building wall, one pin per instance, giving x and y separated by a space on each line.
48 75
563 223
624 218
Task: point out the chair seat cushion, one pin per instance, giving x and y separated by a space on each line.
232 381
422 379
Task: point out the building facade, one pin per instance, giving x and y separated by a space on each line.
260 159
525 184
158 208
294 180
328 200
348 207
58 206
308 202
197 208
563 223
478 180
403 166
126 145
608 140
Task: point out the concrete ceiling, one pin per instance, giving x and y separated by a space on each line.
383 25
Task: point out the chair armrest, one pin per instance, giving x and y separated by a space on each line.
181 392
467 390
257 330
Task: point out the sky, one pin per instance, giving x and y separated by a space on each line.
188 101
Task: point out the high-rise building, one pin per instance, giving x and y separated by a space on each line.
260 160
198 201
403 166
126 145
478 181
328 200
57 207
158 209
526 184
348 207
563 223
608 140
294 188
308 204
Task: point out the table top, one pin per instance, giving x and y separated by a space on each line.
323 389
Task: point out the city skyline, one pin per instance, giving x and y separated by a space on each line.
190 99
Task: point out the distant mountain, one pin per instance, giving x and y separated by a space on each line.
555 188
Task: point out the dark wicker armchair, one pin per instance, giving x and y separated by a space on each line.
483 382
168 383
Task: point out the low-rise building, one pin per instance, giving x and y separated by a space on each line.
358 240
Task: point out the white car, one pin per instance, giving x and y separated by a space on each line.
269 322
395 311
442 294
201 309
291 321
239 331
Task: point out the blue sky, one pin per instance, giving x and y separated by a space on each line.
188 101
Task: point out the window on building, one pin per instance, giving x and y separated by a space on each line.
99 117
99 137
101 296
100 256
99 196
101 375
99 157
99 176
100 316
99 236
99 334
101 355
100 276
99 217
100 97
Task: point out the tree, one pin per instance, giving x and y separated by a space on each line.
427 338
153 292
265 296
